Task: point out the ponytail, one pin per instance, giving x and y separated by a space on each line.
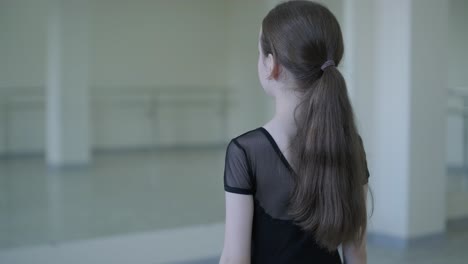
328 197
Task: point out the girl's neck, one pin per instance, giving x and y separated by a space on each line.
283 124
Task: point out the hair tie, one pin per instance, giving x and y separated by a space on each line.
327 64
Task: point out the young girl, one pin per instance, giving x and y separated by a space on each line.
296 188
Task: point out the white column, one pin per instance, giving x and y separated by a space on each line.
68 142
391 174
407 155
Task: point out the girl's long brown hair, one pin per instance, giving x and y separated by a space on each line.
328 156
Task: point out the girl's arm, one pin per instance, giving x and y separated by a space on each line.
356 252
238 229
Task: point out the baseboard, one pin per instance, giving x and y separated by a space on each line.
452 169
384 240
124 150
177 147
21 155
70 167
458 223
214 260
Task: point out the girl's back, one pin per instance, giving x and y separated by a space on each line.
256 166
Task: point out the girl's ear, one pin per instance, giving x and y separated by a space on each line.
273 67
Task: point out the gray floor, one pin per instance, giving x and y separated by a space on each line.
118 194
142 191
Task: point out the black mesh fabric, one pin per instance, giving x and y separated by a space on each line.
255 166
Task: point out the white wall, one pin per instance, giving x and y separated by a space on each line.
458 35
174 47
458 78
168 43
248 97
457 196
22 53
22 50
159 72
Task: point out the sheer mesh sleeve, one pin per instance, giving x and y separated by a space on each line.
237 170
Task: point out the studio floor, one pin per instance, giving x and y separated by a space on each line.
163 206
